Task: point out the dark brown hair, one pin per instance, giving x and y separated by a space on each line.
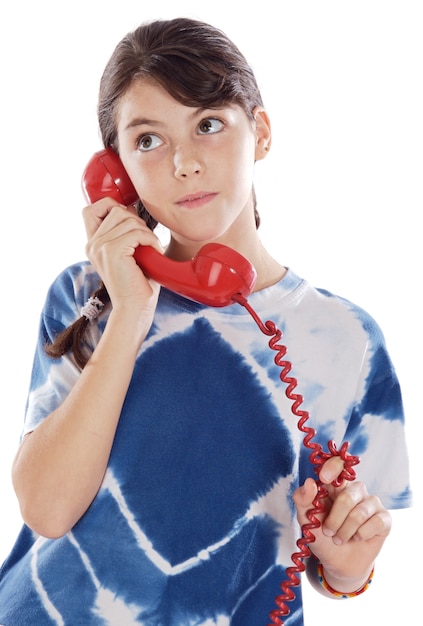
198 66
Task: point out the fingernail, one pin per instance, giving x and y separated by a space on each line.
337 541
325 476
328 532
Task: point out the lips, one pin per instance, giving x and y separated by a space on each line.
197 199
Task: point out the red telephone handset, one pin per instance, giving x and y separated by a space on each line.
213 276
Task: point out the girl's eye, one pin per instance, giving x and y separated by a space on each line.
148 142
209 126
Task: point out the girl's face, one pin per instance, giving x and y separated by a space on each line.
192 168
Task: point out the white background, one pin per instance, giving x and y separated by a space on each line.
340 194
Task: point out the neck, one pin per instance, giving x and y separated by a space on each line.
269 271
243 237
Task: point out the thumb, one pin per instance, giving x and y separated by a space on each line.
303 499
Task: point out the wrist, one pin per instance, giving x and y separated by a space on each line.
131 322
345 588
336 586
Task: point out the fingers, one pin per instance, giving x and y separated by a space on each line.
354 524
95 215
331 469
303 498
114 232
112 226
354 514
350 512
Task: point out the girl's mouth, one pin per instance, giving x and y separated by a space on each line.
197 199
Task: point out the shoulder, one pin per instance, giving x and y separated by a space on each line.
69 291
315 310
348 329
75 277
344 309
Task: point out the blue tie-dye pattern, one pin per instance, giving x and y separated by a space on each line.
196 503
206 438
360 434
384 391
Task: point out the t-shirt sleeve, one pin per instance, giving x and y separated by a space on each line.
52 379
376 428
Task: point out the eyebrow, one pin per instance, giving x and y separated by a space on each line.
142 121
146 121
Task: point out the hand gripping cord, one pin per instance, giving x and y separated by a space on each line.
317 458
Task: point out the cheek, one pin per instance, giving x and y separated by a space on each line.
243 154
151 189
241 167
147 180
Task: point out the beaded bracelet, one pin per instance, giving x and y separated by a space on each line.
341 594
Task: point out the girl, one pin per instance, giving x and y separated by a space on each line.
161 475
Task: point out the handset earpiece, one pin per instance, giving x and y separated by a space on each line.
105 176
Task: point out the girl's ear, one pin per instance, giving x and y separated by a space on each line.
263 133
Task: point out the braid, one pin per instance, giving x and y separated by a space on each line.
146 216
73 337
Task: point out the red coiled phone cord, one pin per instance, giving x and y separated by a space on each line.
317 458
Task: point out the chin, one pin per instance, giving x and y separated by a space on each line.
201 237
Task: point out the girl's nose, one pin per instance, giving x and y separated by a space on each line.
186 162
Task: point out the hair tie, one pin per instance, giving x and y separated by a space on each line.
92 308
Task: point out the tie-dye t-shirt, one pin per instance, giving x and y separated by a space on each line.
194 523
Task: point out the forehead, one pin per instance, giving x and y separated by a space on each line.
147 101
143 95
